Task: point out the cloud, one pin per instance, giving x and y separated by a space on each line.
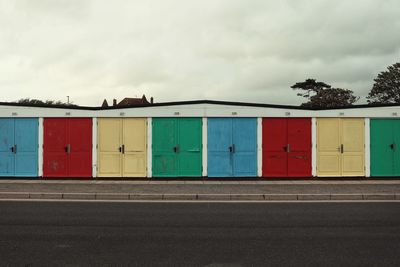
180 50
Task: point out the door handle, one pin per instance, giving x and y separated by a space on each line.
341 148
68 149
288 148
120 149
12 149
175 149
123 149
230 149
393 146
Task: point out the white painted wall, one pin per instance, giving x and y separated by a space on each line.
203 111
314 147
149 147
259 147
40 148
367 148
94 147
199 110
205 143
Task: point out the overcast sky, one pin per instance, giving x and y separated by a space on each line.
175 50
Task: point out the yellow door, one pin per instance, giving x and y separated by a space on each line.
109 137
353 147
328 147
134 156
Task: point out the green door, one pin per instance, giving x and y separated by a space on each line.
164 157
382 149
177 147
189 154
396 147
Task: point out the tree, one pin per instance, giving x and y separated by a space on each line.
40 102
310 86
386 89
322 95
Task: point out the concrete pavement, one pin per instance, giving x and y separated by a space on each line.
202 190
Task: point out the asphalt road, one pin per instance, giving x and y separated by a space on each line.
199 234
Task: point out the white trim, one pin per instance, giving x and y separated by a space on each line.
367 147
199 110
314 147
40 147
204 143
259 147
94 147
149 147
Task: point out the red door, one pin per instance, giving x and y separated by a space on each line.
80 141
67 147
55 158
299 152
274 147
286 147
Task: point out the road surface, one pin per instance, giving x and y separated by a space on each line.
199 234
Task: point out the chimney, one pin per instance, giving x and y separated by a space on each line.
105 104
114 102
151 100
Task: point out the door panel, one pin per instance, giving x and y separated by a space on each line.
382 156
54 152
134 165
220 160
299 156
165 163
274 147
274 134
109 134
328 147
26 141
396 150
190 147
353 147
275 164
245 141
7 167
134 139
299 164
80 140
299 134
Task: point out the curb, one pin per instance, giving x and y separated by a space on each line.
195 197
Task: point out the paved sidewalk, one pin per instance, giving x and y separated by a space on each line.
357 189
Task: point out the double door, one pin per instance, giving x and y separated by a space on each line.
19 147
340 147
286 147
122 145
385 150
177 147
232 147
67 147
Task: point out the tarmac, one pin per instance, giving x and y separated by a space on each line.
201 190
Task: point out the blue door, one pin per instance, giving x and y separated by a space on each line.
18 148
7 147
245 147
232 147
26 144
220 160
